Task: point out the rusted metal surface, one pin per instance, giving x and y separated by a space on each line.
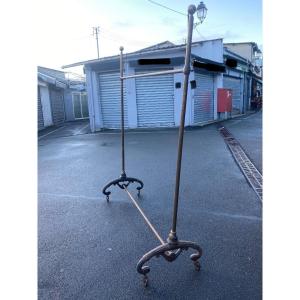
152 74
173 247
144 216
123 180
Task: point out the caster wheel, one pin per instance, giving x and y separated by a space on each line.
145 281
197 265
107 199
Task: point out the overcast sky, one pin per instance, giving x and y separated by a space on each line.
64 27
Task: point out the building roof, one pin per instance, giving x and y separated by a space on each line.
253 44
52 76
234 55
162 45
58 78
166 45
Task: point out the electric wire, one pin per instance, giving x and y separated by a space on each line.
156 3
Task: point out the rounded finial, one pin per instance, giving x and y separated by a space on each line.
192 9
121 48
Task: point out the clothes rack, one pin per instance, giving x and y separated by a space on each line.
172 247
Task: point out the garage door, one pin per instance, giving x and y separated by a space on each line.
155 100
40 112
110 100
57 106
203 98
235 85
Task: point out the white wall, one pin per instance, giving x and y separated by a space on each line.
244 50
218 83
46 105
131 97
92 84
178 100
212 50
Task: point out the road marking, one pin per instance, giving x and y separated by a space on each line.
50 132
70 196
84 126
236 216
219 214
143 132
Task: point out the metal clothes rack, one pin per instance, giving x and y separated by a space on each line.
172 247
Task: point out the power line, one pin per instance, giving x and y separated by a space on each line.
200 33
156 3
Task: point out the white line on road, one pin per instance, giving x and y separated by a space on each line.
50 132
236 216
142 132
218 214
84 126
70 196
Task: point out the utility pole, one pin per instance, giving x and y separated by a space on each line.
96 32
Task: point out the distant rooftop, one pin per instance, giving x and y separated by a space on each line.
243 43
59 78
157 47
162 45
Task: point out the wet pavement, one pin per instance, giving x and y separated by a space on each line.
88 248
248 131
67 129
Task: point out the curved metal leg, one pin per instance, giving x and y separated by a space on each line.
131 180
170 251
122 181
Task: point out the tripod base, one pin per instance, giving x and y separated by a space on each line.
169 251
121 182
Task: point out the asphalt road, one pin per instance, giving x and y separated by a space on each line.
88 248
248 131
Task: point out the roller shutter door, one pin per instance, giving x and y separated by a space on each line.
110 100
235 85
57 106
155 100
203 98
40 112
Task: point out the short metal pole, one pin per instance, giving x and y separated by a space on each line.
122 112
172 238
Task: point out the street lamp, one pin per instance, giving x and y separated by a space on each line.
201 13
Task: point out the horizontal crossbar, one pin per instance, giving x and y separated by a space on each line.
152 74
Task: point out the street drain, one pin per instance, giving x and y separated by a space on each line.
252 175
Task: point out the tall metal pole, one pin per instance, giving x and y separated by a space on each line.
122 112
172 238
96 32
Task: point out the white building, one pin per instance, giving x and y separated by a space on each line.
155 101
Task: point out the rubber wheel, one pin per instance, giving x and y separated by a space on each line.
197 266
145 281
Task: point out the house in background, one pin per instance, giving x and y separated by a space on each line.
151 102
61 98
236 79
155 101
251 52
